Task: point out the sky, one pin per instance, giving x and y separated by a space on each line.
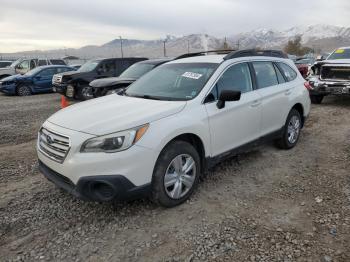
47 24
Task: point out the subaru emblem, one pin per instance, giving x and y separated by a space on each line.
50 139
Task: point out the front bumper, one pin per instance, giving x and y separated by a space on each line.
61 89
8 89
322 87
97 188
79 169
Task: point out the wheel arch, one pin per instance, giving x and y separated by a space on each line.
299 107
195 141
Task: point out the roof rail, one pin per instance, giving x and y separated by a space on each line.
256 52
224 51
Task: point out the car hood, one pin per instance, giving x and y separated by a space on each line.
113 113
14 78
111 81
336 61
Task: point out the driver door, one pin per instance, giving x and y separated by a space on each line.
239 121
43 80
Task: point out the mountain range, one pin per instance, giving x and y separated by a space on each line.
321 37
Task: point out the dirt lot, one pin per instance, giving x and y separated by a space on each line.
267 205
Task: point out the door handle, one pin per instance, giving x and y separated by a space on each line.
255 103
288 92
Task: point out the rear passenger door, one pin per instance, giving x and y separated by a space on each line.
239 121
274 92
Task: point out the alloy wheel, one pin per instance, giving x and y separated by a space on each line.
293 129
180 176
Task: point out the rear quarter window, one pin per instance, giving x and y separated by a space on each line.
287 71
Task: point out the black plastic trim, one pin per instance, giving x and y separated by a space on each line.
213 161
121 188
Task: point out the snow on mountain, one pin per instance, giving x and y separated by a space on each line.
274 38
321 36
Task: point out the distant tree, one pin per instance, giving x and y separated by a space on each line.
294 47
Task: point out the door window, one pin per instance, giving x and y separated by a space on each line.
288 72
107 68
265 74
236 78
42 62
47 72
24 65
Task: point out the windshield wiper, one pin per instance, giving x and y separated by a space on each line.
142 96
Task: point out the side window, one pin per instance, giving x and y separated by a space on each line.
280 77
107 67
42 62
287 71
24 65
265 74
236 78
62 69
122 65
48 72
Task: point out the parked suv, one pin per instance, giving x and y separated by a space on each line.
22 66
75 85
159 136
101 87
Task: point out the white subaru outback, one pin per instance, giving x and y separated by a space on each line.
159 136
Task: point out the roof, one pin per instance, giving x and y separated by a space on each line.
53 66
155 61
216 59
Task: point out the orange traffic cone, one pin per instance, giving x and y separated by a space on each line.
64 102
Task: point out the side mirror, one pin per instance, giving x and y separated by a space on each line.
320 58
227 95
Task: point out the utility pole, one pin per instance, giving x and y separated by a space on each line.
238 44
188 46
121 46
164 49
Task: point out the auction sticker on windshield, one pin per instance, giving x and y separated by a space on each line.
192 75
339 51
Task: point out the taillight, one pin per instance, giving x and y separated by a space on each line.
308 86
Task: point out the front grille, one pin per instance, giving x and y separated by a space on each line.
335 73
57 79
54 146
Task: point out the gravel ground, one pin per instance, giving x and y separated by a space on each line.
266 205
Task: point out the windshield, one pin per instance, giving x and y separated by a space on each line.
88 66
137 70
178 81
14 63
33 71
340 54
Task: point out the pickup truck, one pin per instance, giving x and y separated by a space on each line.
75 85
332 76
22 66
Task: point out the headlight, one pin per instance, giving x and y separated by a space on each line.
114 142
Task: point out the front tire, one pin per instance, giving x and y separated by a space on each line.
176 174
316 99
291 131
23 90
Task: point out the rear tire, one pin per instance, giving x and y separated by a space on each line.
291 130
23 90
316 99
176 174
